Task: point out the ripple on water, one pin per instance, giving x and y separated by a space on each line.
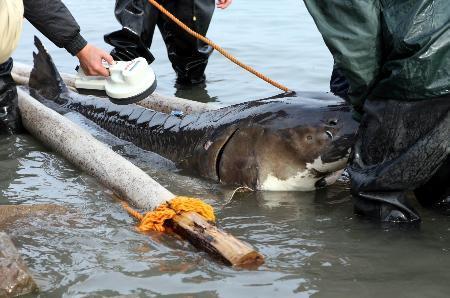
314 245
311 241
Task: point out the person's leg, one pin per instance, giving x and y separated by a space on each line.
188 55
11 19
10 121
138 19
400 146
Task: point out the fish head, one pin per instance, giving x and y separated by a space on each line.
293 144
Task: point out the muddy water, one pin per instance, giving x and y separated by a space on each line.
314 245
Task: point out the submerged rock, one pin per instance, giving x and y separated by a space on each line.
11 213
15 279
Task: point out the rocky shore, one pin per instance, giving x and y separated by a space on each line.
15 279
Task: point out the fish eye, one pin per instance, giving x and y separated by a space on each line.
309 138
332 122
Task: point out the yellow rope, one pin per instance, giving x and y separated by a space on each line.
154 220
217 47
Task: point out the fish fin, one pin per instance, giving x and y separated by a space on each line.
45 78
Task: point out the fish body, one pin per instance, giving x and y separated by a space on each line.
293 141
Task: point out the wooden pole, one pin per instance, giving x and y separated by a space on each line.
126 180
205 236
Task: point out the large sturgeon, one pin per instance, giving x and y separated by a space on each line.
294 141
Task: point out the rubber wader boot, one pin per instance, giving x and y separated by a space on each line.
435 193
385 207
127 46
188 56
10 121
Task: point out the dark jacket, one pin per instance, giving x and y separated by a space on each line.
53 19
388 49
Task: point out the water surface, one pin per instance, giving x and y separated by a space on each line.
313 244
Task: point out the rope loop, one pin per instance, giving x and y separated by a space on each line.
154 220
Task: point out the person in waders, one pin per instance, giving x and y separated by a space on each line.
54 20
395 56
188 55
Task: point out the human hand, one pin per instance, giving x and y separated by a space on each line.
223 3
91 61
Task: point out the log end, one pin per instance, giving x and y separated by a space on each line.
209 238
252 260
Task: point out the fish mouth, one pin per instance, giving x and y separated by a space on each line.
328 179
340 148
328 172
323 165
321 183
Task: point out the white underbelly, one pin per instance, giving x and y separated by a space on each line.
302 181
305 180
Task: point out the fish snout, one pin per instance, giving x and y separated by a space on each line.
339 148
321 183
329 179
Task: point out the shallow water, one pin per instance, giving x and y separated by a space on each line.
313 244
280 40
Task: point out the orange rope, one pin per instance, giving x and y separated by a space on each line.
216 47
154 220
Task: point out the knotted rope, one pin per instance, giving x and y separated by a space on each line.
154 220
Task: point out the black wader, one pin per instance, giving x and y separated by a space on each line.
402 146
396 58
10 121
139 18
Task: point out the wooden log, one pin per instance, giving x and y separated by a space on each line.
167 104
125 179
84 151
205 236
161 103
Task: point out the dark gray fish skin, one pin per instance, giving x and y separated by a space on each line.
261 144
